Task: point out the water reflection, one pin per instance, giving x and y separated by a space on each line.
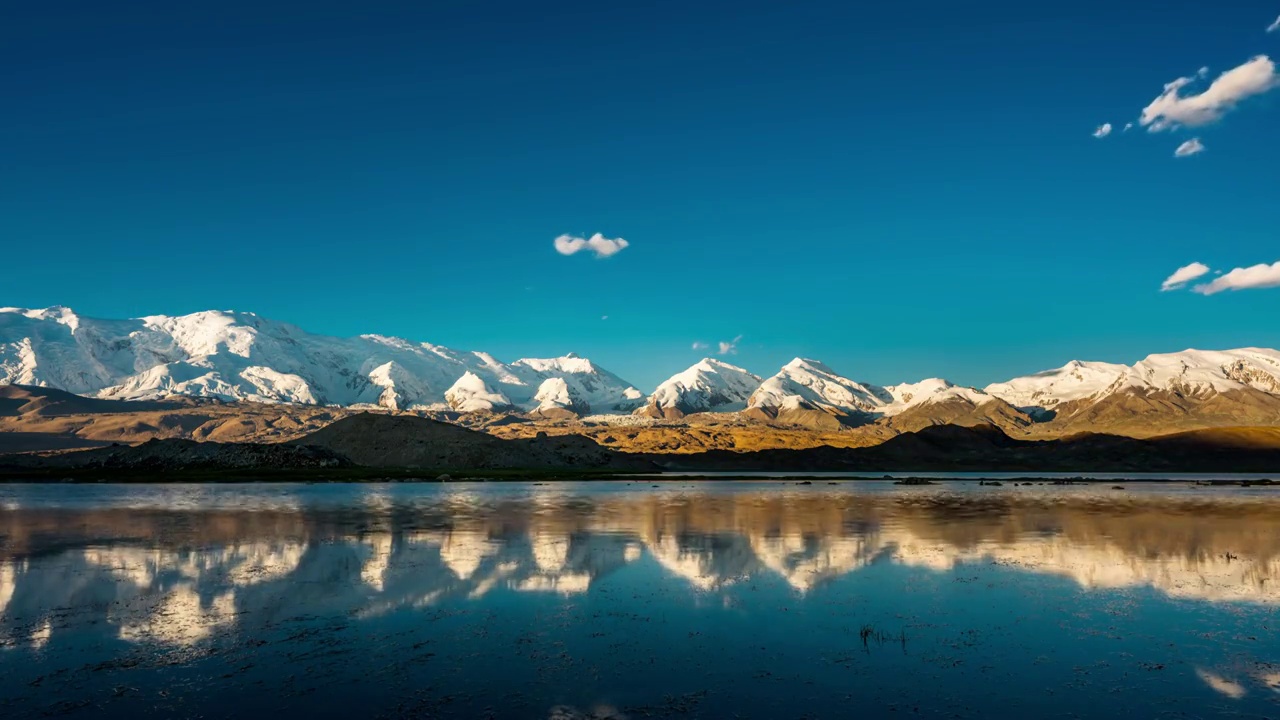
164 571
388 551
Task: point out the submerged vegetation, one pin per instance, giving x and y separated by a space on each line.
870 635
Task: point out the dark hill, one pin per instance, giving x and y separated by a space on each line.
373 440
180 455
386 441
47 402
985 448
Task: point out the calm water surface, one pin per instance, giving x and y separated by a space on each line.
734 600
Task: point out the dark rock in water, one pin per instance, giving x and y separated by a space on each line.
914 481
1117 487
805 482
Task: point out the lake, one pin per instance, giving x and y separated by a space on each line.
762 599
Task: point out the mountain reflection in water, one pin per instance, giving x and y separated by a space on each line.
503 584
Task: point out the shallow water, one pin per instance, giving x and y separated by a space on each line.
749 600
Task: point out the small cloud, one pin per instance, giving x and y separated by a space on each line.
1274 26
602 246
1249 278
1184 275
729 347
699 345
1172 110
604 317
1128 127
1189 148
1103 130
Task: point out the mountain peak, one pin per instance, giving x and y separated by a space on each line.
709 385
60 313
1189 373
716 363
241 356
804 383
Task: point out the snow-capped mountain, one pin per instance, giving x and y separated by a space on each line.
1074 381
470 393
708 386
930 391
1195 374
810 393
809 384
938 402
240 356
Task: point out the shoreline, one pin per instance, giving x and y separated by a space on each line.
312 476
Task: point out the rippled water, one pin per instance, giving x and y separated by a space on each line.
752 600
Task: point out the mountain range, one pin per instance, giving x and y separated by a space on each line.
232 356
240 356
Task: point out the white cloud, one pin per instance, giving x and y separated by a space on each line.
1188 148
1274 26
729 347
1184 275
1249 278
1128 127
604 317
1103 130
699 345
602 246
1172 109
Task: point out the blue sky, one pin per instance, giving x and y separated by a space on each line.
901 190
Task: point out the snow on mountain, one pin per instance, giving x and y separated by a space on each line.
708 386
587 385
240 356
1190 373
932 390
809 384
472 394
1074 381
555 395
1202 372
